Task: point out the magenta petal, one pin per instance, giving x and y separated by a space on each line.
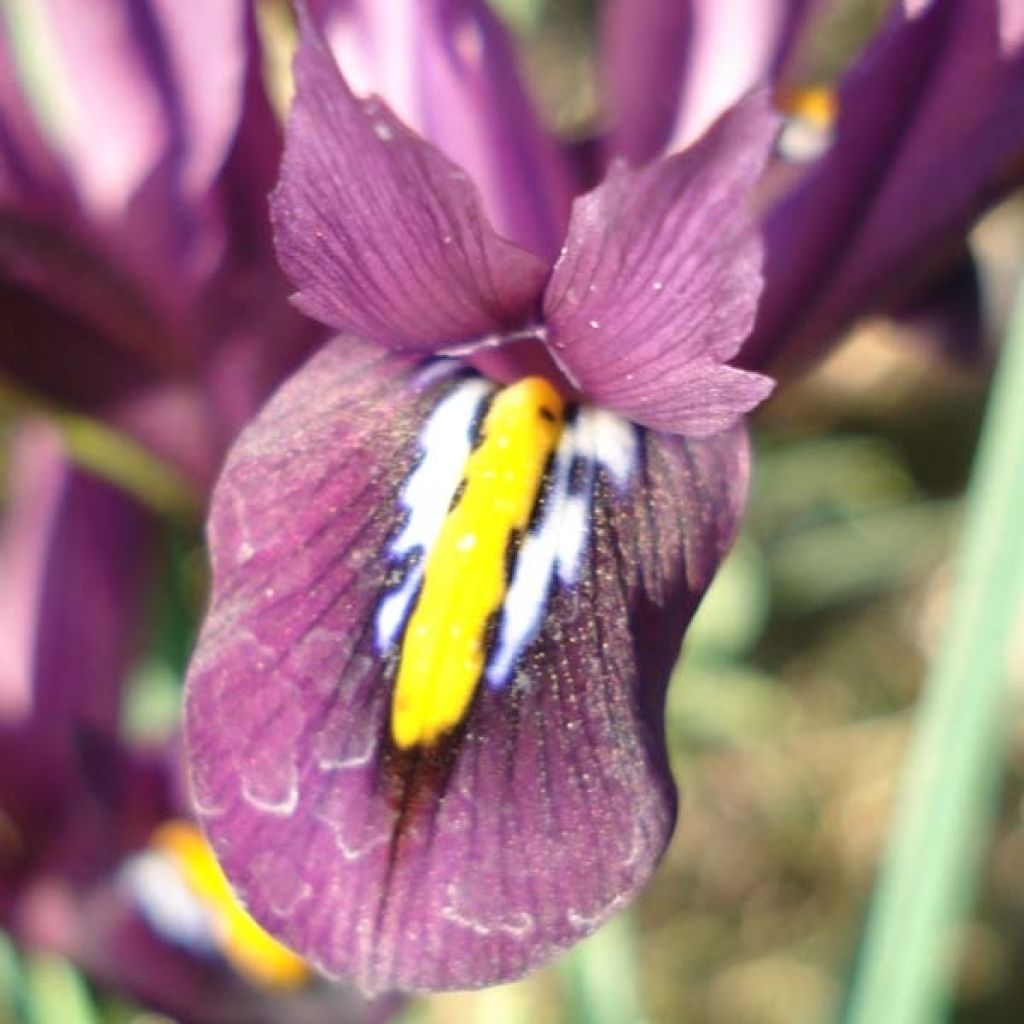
659 278
64 534
382 234
551 805
75 568
206 57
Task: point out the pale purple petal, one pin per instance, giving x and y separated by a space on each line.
447 68
550 807
75 567
645 45
172 323
205 54
671 67
132 85
930 131
658 282
74 561
30 173
383 235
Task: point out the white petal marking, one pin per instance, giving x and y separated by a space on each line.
445 444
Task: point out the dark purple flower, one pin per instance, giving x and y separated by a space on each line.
425 712
929 133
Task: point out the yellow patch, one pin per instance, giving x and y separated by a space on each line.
815 104
465 576
249 949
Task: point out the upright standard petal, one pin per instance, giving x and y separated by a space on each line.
448 69
166 88
671 67
385 826
658 282
382 235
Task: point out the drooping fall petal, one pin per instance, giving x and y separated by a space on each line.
381 233
659 279
545 807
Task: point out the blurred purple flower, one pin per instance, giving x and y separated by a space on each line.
62 659
85 866
137 278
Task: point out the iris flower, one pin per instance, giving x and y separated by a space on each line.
425 711
455 555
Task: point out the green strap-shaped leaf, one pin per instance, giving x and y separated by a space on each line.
947 803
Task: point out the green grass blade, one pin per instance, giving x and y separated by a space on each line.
57 992
598 977
942 819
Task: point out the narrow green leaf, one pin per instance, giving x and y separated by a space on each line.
523 15
599 977
109 455
57 992
943 817
11 988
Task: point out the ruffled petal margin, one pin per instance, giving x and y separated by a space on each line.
548 807
658 282
382 235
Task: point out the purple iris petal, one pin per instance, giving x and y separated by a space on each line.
63 661
168 87
547 809
671 67
65 534
29 171
448 70
164 313
383 235
659 279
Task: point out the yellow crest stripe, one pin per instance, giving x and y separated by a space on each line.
465 578
249 949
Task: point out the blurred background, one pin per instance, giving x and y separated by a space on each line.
790 711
